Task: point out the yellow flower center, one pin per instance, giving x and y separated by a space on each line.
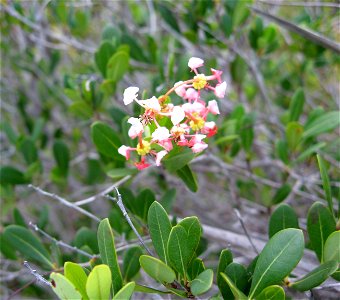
199 82
197 123
177 131
143 148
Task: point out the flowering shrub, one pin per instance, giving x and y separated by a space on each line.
164 125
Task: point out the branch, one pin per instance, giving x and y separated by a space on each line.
302 3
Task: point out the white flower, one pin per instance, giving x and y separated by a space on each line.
160 134
180 89
177 115
151 103
124 150
136 128
195 62
159 157
199 147
220 89
213 107
130 94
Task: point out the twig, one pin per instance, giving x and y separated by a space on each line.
126 216
103 193
64 202
302 3
61 243
245 230
306 33
38 277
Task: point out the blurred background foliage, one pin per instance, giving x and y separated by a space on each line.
65 65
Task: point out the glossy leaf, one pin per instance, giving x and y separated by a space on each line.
226 257
325 183
195 268
320 224
238 274
283 217
296 105
106 140
188 177
98 283
156 269
282 193
176 161
103 55
118 65
202 283
159 228
278 258
77 276
315 277
235 291
108 253
131 264
125 292
332 247
88 237
27 244
64 288
273 292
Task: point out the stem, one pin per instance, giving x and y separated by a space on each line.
127 218
162 98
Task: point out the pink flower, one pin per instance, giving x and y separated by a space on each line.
166 144
220 89
181 89
213 108
209 128
191 94
136 129
160 134
130 94
196 107
159 157
199 147
195 62
177 115
125 151
217 74
141 165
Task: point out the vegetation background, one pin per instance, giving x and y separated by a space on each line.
281 62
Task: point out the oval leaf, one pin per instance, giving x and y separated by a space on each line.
202 283
99 282
126 292
131 262
188 177
77 276
28 244
296 105
64 288
273 292
278 258
238 274
283 217
156 269
159 228
332 247
236 292
10 175
226 257
320 224
108 253
117 66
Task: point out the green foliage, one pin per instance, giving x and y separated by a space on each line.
202 283
283 217
99 282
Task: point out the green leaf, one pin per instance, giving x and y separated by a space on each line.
77 276
321 124
202 283
27 244
294 133
236 292
283 217
238 274
103 55
282 193
273 292
29 151
10 133
148 290
320 224
106 140
61 156
99 282
296 105
121 172
281 149
315 277
247 132
168 198
131 263
325 183
195 268
188 177
108 253
64 289
226 257
310 151
118 65
10 175
6 248
144 200
81 109
159 228
332 247
178 160
126 292
18 218
278 258
156 269
168 16
88 237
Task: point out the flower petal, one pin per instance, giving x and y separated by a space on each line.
213 107
160 134
195 62
151 103
130 94
221 89
177 115
159 157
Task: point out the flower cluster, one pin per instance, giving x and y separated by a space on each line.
185 125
